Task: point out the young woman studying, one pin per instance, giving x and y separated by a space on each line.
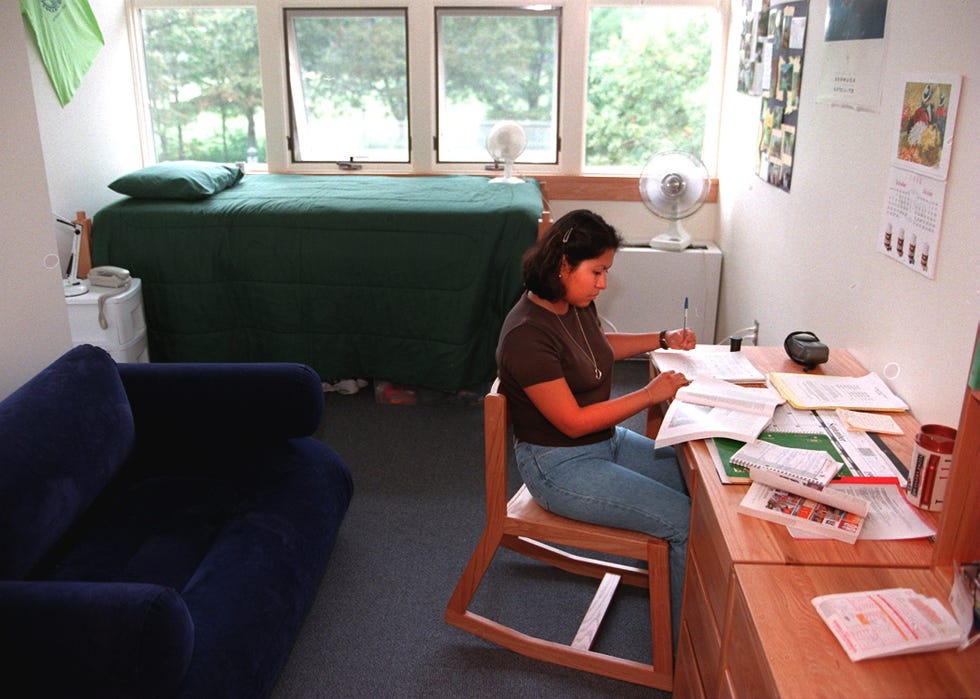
555 365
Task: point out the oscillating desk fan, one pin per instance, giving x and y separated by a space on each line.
673 185
505 143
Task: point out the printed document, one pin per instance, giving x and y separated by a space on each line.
820 392
879 623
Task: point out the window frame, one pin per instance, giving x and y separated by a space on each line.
293 145
572 85
443 10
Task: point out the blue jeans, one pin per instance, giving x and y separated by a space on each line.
623 482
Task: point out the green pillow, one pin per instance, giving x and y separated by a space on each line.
178 179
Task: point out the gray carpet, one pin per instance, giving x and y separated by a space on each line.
376 628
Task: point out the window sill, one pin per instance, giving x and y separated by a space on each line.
555 187
600 187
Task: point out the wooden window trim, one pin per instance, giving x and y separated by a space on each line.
599 187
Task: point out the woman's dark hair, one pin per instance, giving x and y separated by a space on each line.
577 236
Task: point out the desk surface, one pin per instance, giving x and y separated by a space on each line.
807 660
747 627
756 541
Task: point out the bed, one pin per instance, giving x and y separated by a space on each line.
404 279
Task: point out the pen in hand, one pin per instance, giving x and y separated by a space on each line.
685 316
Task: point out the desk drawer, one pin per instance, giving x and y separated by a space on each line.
687 682
708 548
705 634
745 662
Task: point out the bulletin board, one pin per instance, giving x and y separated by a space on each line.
782 60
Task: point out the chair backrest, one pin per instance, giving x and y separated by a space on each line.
496 421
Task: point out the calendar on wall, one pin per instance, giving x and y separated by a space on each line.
912 217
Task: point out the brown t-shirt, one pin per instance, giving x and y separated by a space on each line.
536 345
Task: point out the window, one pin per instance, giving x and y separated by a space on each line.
494 65
649 71
348 85
414 86
203 86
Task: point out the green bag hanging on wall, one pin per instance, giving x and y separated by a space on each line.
68 38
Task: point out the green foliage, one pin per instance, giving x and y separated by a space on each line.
645 97
505 62
202 67
347 60
203 62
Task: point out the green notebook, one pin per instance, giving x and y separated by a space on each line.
727 447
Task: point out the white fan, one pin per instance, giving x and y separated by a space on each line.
673 185
505 143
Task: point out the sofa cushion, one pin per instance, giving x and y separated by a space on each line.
63 436
83 639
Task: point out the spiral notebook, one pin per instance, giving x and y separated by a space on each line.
813 467
722 449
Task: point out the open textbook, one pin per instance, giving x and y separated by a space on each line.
715 408
895 621
709 362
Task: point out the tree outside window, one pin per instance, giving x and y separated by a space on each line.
648 82
203 84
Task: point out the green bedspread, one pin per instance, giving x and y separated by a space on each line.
406 279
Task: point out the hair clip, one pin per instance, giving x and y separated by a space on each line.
564 238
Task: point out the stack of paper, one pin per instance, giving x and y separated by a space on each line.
819 392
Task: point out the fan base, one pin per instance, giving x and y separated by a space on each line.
673 243
506 180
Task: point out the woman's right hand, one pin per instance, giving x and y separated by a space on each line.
665 385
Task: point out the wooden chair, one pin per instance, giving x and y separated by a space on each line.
524 527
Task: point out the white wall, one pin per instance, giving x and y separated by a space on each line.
802 260
807 260
33 314
95 137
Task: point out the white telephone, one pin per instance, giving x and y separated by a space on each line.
109 276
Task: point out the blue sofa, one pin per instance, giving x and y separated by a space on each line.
163 527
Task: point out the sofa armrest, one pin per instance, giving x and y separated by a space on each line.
94 639
253 402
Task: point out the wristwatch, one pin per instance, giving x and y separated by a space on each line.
663 339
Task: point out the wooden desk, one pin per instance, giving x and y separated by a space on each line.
779 646
721 542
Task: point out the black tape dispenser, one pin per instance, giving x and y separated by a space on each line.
805 348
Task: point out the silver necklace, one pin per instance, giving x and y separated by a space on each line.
595 364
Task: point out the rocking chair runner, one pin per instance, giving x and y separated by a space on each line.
522 526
